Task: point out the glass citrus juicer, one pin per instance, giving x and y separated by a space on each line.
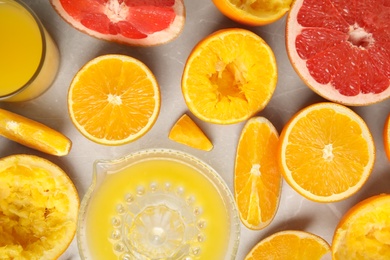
157 204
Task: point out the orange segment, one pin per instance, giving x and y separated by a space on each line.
253 12
33 134
326 152
229 76
187 132
114 99
257 181
364 231
290 245
38 208
386 137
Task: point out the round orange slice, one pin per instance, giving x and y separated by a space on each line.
291 245
33 134
229 76
253 12
326 152
386 137
364 231
38 208
114 99
257 180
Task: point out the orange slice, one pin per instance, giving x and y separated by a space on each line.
114 99
326 152
386 137
257 180
187 132
33 134
229 76
291 245
38 208
253 12
364 231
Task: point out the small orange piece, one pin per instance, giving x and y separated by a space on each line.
187 132
253 12
386 137
291 245
38 208
33 134
364 231
257 180
229 76
114 99
326 152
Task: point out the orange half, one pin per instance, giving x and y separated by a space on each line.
229 76
326 152
114 99
364 231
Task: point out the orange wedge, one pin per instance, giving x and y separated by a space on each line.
257 180
291 245
229 76
326 152
253 12
33 134
38 208
187 132
114 99
364 231
386 137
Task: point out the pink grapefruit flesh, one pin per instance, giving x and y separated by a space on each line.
341 48
133 22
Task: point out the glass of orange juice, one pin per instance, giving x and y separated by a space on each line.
157 204
29 58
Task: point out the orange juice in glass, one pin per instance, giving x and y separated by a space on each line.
157 204
29 58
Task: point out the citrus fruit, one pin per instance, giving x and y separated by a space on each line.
114 99
326 152
33 134
364 231
257 180
38 208
386 137
253 12
290 245
229 76
187 132
135 22
341 48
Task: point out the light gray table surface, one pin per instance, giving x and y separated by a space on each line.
167 63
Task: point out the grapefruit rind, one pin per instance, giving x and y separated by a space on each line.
158 38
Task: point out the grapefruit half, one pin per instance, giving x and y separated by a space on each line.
132 22
341 49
